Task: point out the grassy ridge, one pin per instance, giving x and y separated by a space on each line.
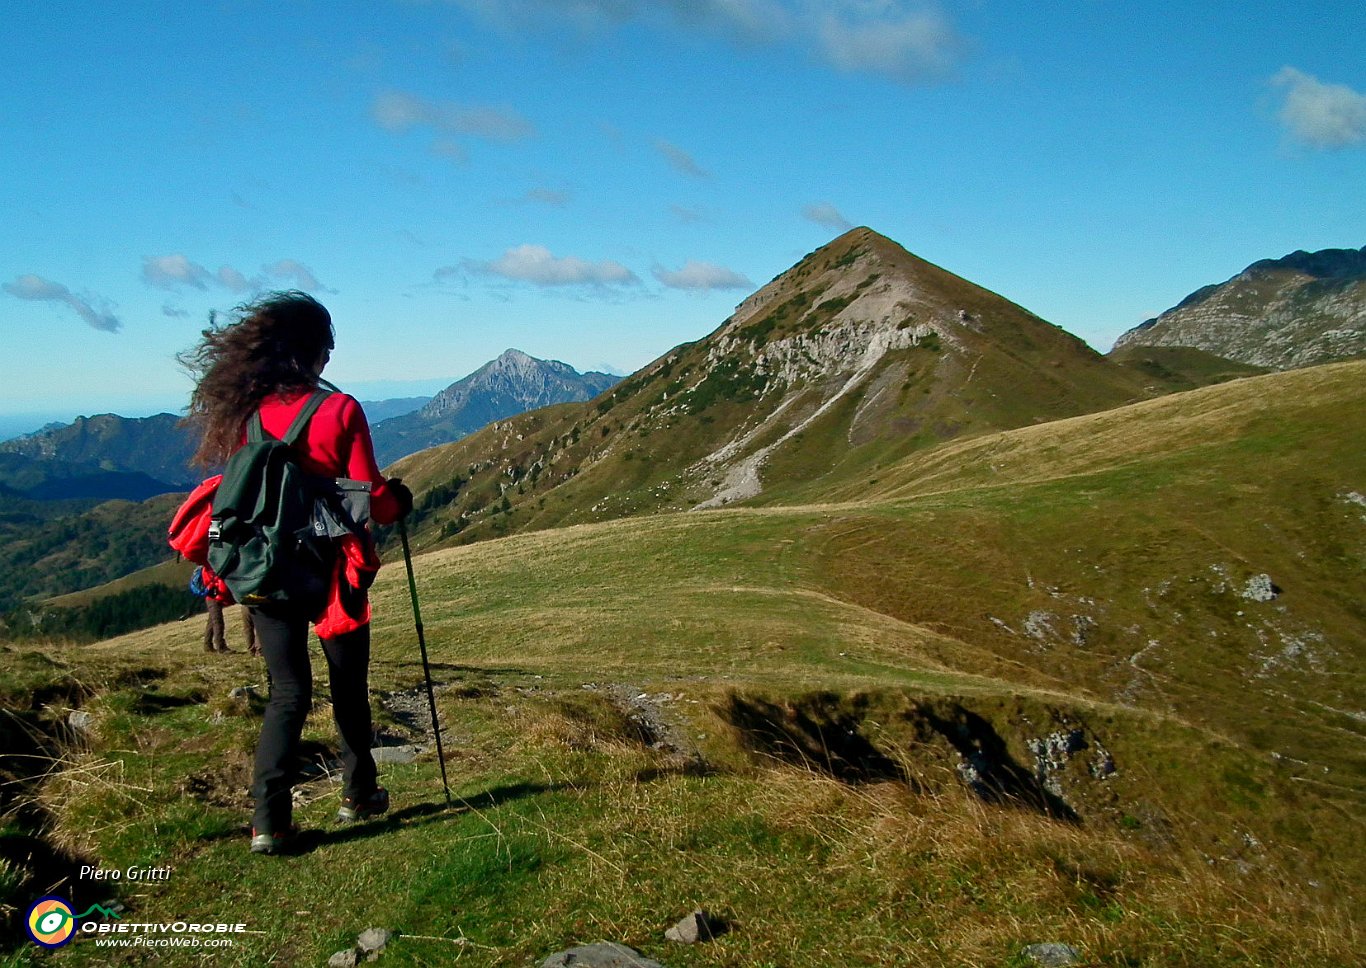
831 668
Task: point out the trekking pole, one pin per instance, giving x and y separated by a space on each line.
426 667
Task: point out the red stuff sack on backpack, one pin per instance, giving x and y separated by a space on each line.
189 530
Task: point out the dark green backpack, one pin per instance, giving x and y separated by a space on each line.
263 541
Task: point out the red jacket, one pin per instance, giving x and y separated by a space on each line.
337 444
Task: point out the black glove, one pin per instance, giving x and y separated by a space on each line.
401 494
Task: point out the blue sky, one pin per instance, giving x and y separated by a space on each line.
597 181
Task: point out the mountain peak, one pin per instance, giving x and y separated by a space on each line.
515 356
866 280
1323 264
512 383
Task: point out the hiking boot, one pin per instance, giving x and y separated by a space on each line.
279 843
362 809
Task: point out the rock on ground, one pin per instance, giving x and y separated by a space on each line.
604 954
698 926
372 941
1052 954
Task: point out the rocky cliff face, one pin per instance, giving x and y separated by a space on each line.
1301 310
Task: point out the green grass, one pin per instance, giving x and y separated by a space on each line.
568 830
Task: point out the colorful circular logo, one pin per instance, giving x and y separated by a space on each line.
50 922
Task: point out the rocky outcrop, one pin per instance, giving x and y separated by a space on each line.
1301 310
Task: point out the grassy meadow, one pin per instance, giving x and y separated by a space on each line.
1025 687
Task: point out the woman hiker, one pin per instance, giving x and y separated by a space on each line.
270 359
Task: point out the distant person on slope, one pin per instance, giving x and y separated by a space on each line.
215 631
270 359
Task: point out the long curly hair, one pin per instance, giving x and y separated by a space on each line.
273 345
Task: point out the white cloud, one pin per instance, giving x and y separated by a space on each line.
297 271
176 271
905 45
680 159
399 111
825 214
536 264
1321 115
702 276
230 278
173 271
909 41
45 290
749 21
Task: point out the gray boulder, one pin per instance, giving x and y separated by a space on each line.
1052 954
372 941
604 954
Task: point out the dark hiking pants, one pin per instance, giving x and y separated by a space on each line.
283 639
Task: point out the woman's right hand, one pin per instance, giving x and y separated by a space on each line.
401 494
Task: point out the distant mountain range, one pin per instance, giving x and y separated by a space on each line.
509 385
108 457
100 458
1300 310
377 410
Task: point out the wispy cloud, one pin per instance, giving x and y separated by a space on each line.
176 272
300 274
399 111
172 272
827 215
451 149
907 45
45 290
537 265
680 159
231 279
1328 116
702 276
549 196
909 41
174 312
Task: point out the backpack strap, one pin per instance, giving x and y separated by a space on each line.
300 424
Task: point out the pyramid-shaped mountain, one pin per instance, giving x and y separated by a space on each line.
857 355
513 383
